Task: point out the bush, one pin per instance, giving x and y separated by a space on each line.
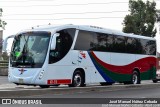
5 56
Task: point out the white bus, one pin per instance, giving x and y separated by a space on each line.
78 55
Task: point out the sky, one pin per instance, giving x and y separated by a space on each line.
23 14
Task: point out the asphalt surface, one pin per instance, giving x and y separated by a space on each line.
138 92
145 90
118 93
3 80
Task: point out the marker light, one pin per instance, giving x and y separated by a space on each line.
41 74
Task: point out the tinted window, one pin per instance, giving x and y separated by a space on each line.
114 43
100 42
119 44
63 45
148 47
130 45
110 43
140 46
94 41
133 45
84 41
152 45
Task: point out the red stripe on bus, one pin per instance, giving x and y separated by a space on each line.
59 81
143 64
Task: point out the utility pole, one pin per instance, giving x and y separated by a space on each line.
1 32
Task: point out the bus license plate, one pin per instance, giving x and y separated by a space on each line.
21 81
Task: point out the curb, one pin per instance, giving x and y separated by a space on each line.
14 92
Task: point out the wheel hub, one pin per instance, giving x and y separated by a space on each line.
135 79
77 80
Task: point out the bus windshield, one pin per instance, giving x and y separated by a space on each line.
29 49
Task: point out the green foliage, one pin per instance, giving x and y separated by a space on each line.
2 23
158 15
5 56
141 19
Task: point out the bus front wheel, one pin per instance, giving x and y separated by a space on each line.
77 80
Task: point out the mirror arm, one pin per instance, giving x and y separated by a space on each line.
53 42
4 48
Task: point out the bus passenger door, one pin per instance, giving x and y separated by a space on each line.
62 59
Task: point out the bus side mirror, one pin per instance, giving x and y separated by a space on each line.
4 48
53 42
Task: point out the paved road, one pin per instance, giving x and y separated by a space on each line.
3 80
146 90
139 92
109 93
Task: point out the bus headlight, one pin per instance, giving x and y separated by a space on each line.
41 74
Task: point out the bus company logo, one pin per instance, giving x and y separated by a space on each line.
6 101
83 55
22 70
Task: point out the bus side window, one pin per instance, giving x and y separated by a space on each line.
63 44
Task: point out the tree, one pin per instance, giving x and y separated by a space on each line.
5 56
2 23
141 19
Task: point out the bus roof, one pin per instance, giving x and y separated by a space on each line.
54 28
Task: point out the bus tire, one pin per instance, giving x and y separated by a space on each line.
135 78
78 79
106 83
44 86
56 85
127 82
154 80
